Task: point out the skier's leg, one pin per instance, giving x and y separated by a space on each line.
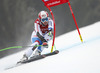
39 50
29 51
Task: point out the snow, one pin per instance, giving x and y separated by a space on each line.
74 56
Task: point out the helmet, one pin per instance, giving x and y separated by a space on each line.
43 15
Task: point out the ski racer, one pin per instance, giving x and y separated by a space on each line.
43 32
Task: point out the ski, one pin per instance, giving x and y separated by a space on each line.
51 53
38 57
34 58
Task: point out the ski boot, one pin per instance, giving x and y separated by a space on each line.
24 58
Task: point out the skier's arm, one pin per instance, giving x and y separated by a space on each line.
39 33
41 37
51 26
37 28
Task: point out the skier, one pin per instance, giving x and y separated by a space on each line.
42 33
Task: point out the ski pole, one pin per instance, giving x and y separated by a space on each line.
18 47
54 45
52 38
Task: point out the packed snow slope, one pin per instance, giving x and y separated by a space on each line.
74 56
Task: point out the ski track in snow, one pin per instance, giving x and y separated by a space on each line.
74 56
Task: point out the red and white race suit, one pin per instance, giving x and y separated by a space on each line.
43 30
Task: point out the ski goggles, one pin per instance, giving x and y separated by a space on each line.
44 19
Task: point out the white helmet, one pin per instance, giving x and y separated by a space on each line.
43 15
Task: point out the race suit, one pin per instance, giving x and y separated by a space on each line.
42 31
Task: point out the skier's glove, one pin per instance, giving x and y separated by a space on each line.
51 31
41 37
45 44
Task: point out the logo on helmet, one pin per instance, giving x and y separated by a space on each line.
44 16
